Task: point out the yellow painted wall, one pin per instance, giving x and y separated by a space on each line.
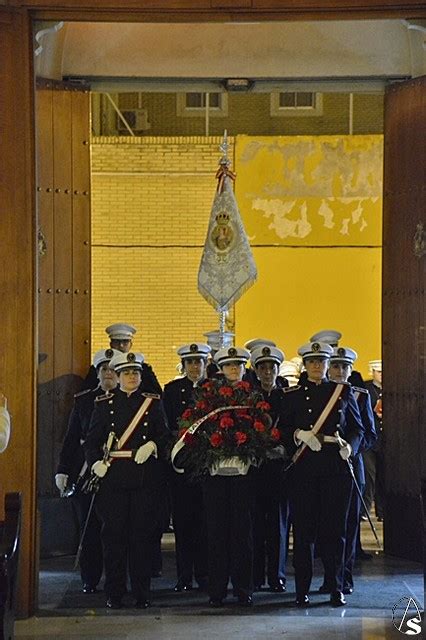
312 207
151 200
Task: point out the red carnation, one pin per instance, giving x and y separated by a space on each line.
182 432
189 438
226 422
226 391
201 404
262 404
240 437
275 433
207 385
244 385
187 414
259 426
216 439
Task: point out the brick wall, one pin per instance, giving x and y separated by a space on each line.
151 200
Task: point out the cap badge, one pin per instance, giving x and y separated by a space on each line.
266 351
109 353
341 352
232 352
316 346
193 348
131 357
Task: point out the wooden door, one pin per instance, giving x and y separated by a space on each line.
63 205
404 331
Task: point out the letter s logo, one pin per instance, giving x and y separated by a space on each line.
412 624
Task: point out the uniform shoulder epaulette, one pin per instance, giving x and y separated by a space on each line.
156 396
288 389
360 389
82 393
106 396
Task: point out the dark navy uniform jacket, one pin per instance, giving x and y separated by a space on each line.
114 413
177 397
375 393
304 404
71 458
370 434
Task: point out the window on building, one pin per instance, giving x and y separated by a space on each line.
194 104
296 103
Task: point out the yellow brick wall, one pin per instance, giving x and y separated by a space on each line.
151 200
250 114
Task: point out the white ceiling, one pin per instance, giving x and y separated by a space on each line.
289 50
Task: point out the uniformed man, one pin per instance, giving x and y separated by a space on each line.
72 468
121 339
341 363
271 519
374 458
133 484
187 498
321 427
250 374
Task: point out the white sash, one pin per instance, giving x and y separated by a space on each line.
320 422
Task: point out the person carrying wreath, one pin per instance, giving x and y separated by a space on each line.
223 437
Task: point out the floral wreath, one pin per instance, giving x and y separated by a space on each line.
226 421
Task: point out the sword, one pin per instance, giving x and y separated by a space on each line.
93 487
364 506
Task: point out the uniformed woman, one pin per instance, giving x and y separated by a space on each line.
187 497
133 479
72 468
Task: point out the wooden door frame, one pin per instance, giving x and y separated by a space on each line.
17 209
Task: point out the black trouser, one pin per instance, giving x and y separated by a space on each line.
91 558
271 524
319 509
190 530
130 520
229 502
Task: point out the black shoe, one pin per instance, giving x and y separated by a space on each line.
278 587
215 602
113 603
245 601
337 599
348 590
182 586
89 588
363 555
302 600
142 603
324 589
257 587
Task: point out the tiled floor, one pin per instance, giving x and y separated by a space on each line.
380 583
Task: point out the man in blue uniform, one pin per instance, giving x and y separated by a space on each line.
133 485
120 336
374 458
341 363
321 427
271 516
187 498
72 468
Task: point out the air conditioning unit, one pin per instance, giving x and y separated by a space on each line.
137 119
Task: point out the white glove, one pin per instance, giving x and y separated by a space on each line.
145 451
309 438
100 468
61 480
345 451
